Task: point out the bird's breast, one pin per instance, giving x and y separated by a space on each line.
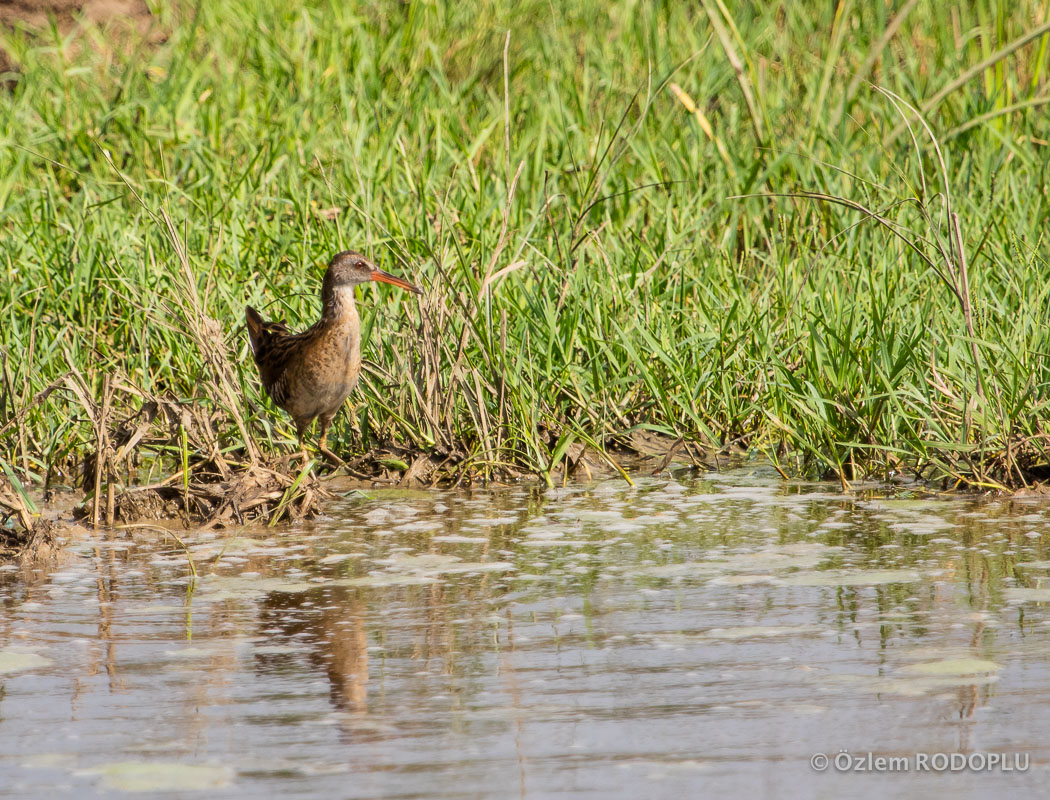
334 364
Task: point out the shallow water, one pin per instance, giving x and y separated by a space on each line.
686 636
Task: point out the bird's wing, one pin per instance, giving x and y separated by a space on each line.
261 332
278 387
277 327
277 353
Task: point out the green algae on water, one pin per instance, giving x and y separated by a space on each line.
15 661
161 776
842 577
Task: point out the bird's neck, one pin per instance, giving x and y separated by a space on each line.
338 304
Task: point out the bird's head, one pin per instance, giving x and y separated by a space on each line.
349 268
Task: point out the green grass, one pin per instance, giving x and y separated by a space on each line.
596 256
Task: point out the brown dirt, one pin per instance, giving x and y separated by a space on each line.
22 530
19 544
37 15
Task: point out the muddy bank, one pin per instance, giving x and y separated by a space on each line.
217 491
21 533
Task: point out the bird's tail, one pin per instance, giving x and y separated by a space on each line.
256 328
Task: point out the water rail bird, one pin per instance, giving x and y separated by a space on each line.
310 374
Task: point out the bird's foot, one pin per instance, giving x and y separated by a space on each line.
332 457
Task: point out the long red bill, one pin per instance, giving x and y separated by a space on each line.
386 277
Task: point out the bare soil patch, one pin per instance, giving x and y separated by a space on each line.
38 14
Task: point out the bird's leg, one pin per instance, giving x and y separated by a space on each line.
300 429
322 442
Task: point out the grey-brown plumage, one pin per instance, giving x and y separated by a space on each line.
310 374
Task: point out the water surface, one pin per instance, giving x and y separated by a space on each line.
687 636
